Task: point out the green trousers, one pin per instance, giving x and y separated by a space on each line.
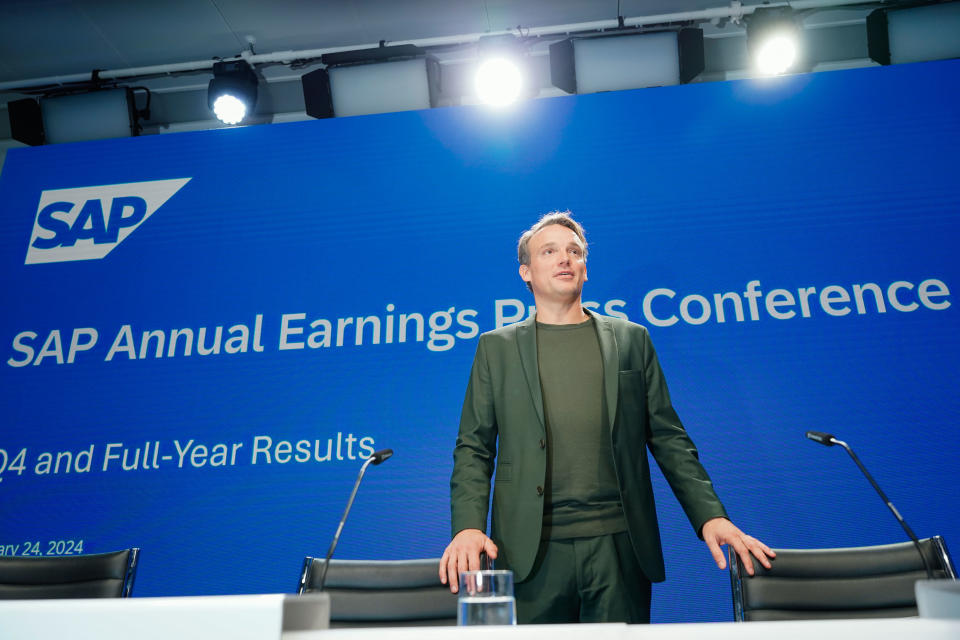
584 580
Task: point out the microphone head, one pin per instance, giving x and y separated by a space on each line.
380 456
823 438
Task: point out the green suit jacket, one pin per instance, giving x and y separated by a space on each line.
502 427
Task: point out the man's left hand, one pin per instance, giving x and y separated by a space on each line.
720 531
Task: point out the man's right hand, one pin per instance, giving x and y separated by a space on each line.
463 554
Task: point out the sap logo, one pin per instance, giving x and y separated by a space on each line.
88 222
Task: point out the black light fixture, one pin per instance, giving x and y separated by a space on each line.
914 34
232 93
375 80
626 61
317 99
774 40
26 121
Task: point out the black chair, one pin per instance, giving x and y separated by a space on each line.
99 575
856 582
382 593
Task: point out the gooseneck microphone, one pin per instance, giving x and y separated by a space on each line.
375 459
823 438
379 456
829 440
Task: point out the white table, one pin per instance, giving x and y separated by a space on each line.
277 617
253 617
879 629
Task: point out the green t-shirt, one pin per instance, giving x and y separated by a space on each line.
582 496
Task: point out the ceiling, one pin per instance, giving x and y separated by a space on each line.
50 37
40 39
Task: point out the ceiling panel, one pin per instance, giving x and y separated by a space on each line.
504 14
50 37
148 33
384 20
288 24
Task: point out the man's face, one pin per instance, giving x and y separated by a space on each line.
557 268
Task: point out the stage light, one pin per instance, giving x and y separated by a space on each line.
618 62
500 78
773 39
777 54
74 117
232 92
229 109
376 80
914 34
498 81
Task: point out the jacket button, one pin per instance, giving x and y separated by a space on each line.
539 491
543 444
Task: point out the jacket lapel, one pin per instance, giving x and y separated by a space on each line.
611 364
527 345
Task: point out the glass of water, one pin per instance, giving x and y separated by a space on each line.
486 597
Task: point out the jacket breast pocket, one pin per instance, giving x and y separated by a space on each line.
504 472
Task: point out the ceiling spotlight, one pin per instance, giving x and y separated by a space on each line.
73 117
233 91
375 80
613 63
500 79
914 33
777 54
773 39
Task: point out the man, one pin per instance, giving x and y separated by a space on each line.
566 404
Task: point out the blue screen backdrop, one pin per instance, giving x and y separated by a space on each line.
350 264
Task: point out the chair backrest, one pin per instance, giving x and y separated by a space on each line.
99 575
373 593
856 582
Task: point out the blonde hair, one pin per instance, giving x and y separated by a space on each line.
563 218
